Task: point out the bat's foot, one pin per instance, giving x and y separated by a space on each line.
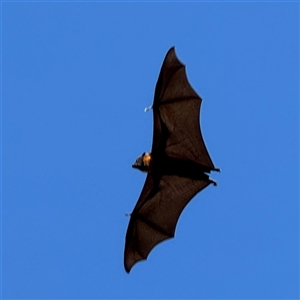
127 215
213 182
217 169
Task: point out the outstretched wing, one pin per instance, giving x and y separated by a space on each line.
176 135
176 108
156 213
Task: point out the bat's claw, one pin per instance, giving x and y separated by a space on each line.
148 108
217 170
213 182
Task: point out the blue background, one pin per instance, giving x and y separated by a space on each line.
75 80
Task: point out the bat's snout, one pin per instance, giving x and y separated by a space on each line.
138 163
135 165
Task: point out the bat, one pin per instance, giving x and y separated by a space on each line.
177 167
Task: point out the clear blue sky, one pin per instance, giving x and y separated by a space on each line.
76 78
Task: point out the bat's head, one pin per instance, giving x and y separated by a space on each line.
143 162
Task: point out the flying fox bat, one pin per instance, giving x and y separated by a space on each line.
177 166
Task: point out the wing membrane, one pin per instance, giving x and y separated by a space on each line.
177 109
155 215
